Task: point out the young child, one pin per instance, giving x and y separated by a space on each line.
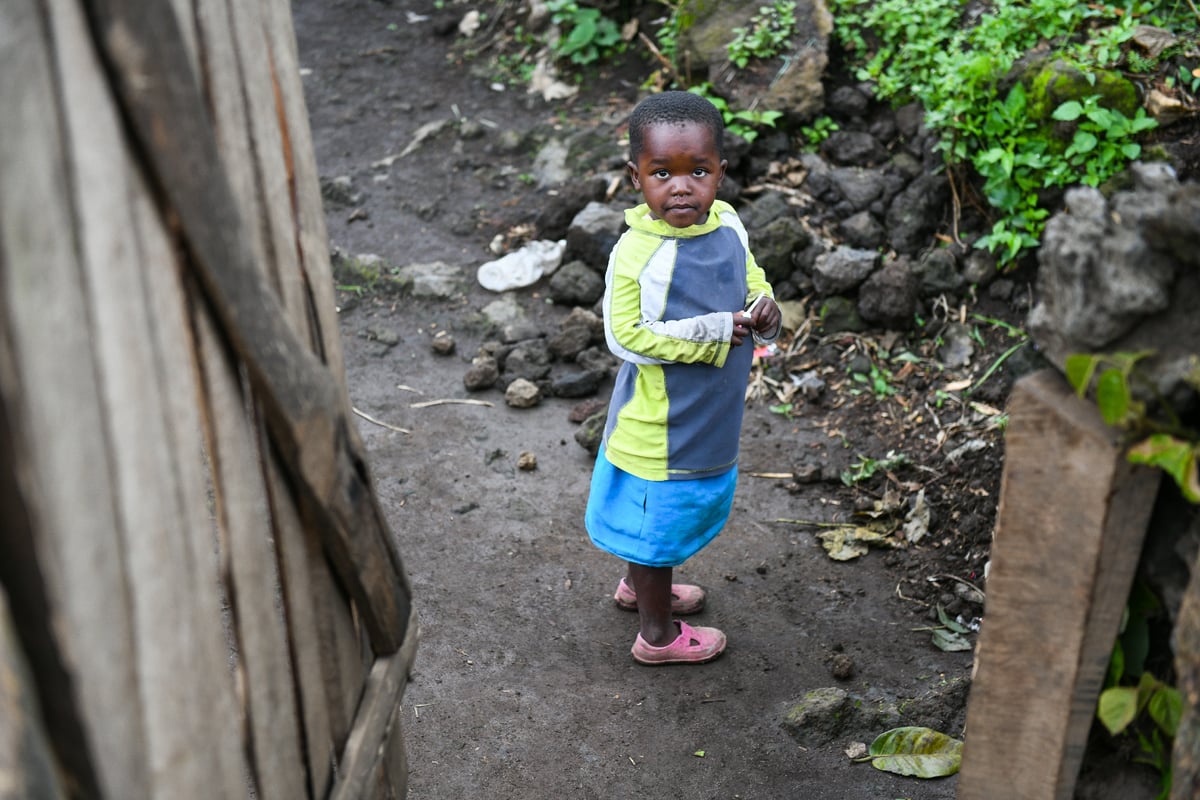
683 294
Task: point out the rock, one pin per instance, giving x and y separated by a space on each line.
938 273
853 147
577 383
1112 279
570 342
506 313
523 267
848 101
433 280
594 359
824 715
522 394
840 314
529 359
591 433
442 344
863 231
482 374
378 333
841 666
526 461
792 83
576 284
857 186
916 212
774 244
843 269
581 411
593 233
889 296
957 348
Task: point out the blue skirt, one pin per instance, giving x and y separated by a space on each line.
655 523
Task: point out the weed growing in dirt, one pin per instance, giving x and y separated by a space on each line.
587 35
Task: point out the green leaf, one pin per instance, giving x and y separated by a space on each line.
953 625
1166 708
1175 457
1117 708
920 752
1112 396
1080 369
1068 111
950 642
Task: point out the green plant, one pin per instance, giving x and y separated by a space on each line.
1133 700
866 467
817 132
742 123
1165 444
587 35
925 50
768 33
878 379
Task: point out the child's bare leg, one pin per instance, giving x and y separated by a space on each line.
653 588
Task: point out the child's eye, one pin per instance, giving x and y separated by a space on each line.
699 172
662 173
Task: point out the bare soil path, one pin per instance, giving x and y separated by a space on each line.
524 687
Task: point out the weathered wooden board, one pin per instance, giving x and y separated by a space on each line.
1069 533
375 739
304 404
201 570
27 758
248 562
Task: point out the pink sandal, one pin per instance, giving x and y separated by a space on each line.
685 598
692 646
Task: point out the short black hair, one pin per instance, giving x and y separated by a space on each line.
675 108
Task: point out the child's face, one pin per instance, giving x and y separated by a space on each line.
678 172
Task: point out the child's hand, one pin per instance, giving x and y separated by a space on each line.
742 323
765 317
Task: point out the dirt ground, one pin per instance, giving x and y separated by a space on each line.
524 686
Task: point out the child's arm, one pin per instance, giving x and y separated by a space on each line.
704 339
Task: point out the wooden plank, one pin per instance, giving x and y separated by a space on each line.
144 364
50 390
1069 533
303 401
299 557
341 665
312 241
1185 758
376 722
248 560
27 758
251 144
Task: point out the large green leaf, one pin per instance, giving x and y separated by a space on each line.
1118 706
920 752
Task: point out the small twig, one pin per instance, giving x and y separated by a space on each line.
369 418
963 581
900 594
452 401
771 475
405 388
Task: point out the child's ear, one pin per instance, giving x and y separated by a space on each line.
632 169
721 174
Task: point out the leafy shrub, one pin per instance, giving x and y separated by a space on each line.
959 68
588 36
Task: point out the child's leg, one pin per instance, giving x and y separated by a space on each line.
653 588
